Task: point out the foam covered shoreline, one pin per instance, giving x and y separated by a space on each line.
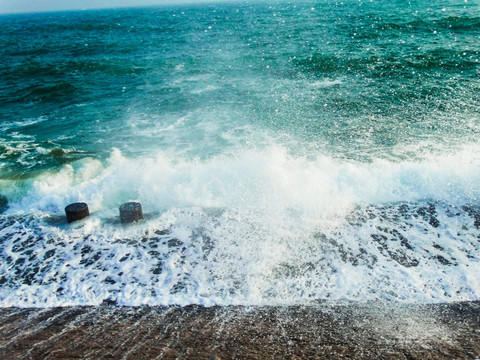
258 228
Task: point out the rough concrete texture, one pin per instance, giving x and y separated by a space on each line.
320 331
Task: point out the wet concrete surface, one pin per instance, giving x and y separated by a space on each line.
321 331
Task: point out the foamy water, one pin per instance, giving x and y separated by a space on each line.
259 228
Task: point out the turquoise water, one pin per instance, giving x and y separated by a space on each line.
297 152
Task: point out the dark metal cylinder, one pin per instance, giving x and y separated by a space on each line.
130 212
76 211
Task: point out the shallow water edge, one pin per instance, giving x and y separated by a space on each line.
379 330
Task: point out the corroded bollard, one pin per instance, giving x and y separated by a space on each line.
130 212
76 211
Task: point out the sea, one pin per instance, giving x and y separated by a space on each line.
283 152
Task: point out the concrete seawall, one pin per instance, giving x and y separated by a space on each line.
323 331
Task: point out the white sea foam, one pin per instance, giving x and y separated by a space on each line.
7 125
257 227
204 89
268 179
326 83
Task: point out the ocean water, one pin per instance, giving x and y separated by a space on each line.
283 153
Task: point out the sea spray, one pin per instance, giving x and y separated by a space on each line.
261 228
